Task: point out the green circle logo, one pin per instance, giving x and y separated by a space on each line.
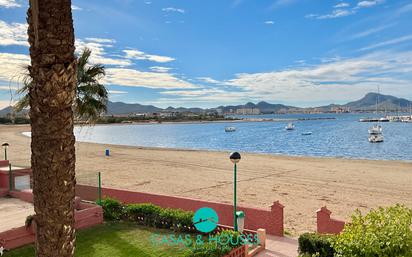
205 219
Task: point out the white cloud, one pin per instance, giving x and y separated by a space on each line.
13 34
209 80
341 80
8 88
139 55
404 9
372 31
269 22
365 4
342 10
9 3
76 8
12 66
136 78
338 13
117 92
388 42
101 40
193 93
342 5
173 9
99 55
160 69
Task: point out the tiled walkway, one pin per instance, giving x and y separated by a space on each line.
280 247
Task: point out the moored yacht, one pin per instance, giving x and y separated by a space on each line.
375 134
290 126
230 129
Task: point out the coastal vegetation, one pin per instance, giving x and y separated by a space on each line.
91 96
381 232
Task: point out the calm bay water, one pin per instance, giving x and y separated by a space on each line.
343 137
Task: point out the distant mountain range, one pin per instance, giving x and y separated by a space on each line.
367 103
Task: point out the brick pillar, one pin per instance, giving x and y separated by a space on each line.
323 219
276 226
262 237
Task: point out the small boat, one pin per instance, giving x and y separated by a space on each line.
375 134
230 129
290 126
307 133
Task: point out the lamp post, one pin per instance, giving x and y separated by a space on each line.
235 158
5 146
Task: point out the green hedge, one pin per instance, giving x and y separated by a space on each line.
383 232
148 215
112 209
316 244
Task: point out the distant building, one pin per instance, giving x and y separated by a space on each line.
168 114
340 109
248 111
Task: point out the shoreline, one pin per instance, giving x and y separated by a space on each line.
282 156
301 184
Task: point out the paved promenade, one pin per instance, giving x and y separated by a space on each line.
280 247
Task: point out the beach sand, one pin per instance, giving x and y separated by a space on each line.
302 184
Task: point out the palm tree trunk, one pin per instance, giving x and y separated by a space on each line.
53 72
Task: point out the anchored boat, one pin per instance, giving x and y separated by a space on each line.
290 126
230 129
375 134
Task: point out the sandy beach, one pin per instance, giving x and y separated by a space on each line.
302 184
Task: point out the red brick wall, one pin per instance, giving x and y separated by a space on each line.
88 215
327 225
271 220
4 163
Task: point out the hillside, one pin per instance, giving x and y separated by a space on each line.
367 103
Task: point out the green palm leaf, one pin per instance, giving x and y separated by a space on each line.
91 96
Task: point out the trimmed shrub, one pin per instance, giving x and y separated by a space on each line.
145 214
316 244
112 209
149 215
382 232
179 219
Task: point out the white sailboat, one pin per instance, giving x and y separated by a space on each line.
375 133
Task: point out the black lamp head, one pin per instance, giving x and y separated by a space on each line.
235 157
5 145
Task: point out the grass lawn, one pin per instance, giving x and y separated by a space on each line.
114 240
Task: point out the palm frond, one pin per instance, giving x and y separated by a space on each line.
91 96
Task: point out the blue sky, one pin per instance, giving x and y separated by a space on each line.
207 53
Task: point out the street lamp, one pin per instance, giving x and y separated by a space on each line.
5 146
235 158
